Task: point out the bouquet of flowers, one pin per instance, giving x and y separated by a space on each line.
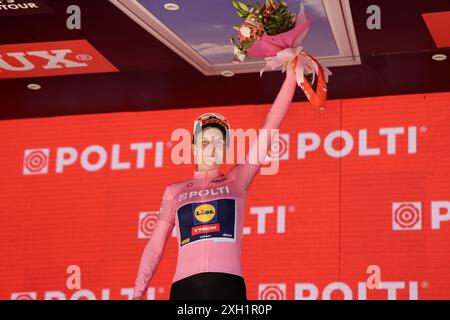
272 32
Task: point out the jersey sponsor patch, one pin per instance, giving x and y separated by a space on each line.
204 220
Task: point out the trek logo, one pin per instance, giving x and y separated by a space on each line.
205 229
408 215
22 7
44 59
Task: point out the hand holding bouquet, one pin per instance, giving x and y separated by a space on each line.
272 32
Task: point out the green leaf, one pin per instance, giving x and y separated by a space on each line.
243 6
242 15
247 44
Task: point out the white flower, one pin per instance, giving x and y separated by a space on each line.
241 57
236 50
245 31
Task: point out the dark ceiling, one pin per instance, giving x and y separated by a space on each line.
395 60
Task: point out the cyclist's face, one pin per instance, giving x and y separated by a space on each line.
209 147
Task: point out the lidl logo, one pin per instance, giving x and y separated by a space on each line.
204 213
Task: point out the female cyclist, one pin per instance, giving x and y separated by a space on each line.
208 212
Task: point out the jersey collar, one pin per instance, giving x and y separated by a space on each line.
206 173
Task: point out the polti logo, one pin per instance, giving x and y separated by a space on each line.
24 296
341 290
338 290
87 294
35 161
272 291
147 223
92 158
20 7
279 148
44 59
406 216
311 141
409 215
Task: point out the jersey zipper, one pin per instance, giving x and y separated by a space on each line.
204 242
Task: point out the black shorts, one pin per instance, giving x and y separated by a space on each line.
209 286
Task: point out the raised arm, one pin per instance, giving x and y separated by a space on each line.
245 172
154 249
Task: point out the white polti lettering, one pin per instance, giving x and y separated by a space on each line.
115 161
413 290
310 141
141 148
337 286
84 293
281 219
363 149
54 295
306 291
205 192
392 287
66 156
102 157
182 196
436 216
105 294
309 291
261 212
362 290
192 194
391 134
348 146
303 148
62 160
412 140
159 151
128 292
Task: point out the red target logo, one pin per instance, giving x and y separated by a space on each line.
35 161
24 296
274 291
147 223
406 216
279 148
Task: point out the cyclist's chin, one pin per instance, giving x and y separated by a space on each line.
212 164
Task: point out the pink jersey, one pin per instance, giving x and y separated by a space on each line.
208 212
